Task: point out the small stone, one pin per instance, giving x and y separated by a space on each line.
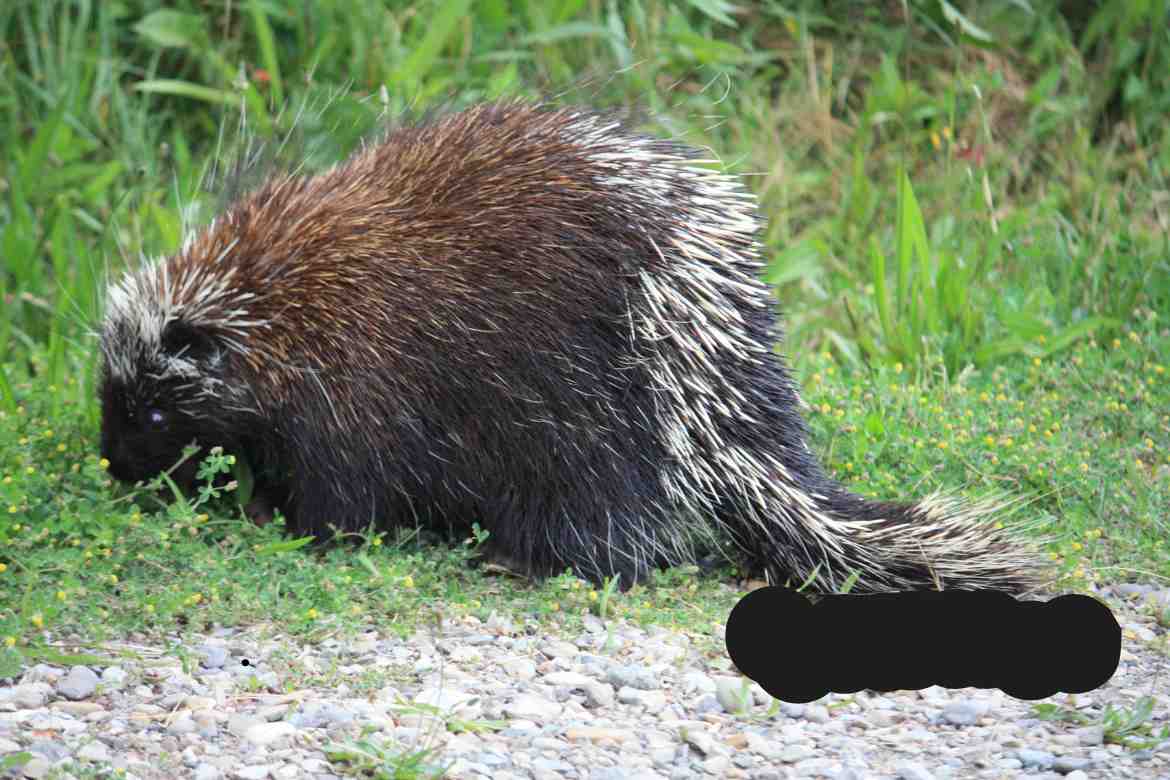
816 713
703 742
520 668
208 772
1067 764
569 679
257 772
319 715
239 724
814 767
50 749
530 707
113 676
196 703
182 724
94 751
78 709
653 701
598 694
212 656
559 649
267 733
793 753
79 683
28 696
733 695
965 713
633 676
694 681
596 733
1040 759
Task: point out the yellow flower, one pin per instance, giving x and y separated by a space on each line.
311 614
3 567
38 620
10 641
408 581
105 464
61 595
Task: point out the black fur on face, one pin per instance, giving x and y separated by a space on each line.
149 417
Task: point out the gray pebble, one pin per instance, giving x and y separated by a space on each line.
50 749
318 715
633 676
965 713
94 751
1041 759
79 683
269 733
1066 764
816 713
257 772
598 694
213 656
208 772
794 753
29 696
733 694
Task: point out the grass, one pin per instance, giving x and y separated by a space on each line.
968 229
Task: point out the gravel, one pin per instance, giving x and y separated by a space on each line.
626 704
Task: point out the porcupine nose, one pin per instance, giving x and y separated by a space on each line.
118 456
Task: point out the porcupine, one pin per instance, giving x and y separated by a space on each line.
535 318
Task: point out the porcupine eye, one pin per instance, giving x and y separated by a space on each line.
154 420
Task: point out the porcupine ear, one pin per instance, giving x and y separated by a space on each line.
182 339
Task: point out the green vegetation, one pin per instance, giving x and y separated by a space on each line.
968 214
